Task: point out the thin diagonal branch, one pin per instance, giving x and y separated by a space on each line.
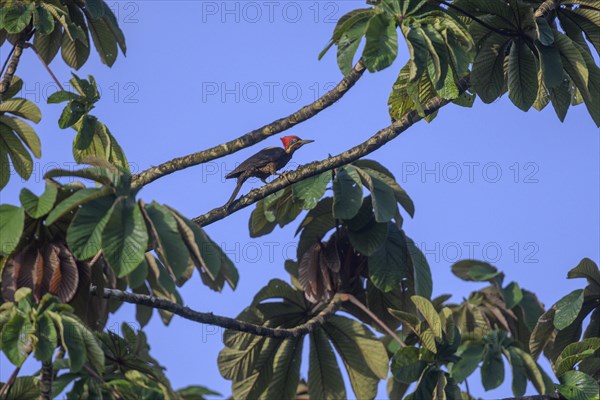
306 171
375 318
255 136
46 66
225 322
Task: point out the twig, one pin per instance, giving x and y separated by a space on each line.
5 390
546 8
375 318
11 68
46 66
224 322
252 137
373 143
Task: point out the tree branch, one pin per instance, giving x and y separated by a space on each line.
546 8
225 322
255 136
373 143
11 68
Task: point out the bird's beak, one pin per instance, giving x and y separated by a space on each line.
303 141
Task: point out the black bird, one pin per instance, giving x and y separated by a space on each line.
265 163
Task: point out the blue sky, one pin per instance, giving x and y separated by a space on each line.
519 190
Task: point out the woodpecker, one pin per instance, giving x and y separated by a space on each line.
265 163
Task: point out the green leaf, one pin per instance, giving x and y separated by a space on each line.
347 193
431 316
75 52
573 62
22 108
93 350
315 225
470 354
408 365
84 235
170 245
576 385
381 48
43 21
422 272
363 355
350 40
111 21
72 112
12 221
552 67
20 157
72 339
492 369
519 373
544 31
382 197
561 97
25 132
75 200
258 225
104 40
35 206
24 388
512 295
309 191
522 75
374 168
417 47
388 266
575 353
567 309
17 339
474 271
4 167
95 8
124 238
370 238
196 392
487 78
17 16
47 46
47 338
286 370
62 96
324 377
586 269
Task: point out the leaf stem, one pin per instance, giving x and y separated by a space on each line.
46 66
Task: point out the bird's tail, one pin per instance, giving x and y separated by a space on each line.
240 182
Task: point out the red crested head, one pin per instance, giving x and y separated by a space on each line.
288 140
293 143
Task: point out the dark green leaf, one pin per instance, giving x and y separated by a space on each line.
124 238
522 75
388 266
576 385
12 221
84 235
347 193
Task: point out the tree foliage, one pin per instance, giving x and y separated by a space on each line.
61 249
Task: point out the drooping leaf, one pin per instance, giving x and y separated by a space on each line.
381 48
124 237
